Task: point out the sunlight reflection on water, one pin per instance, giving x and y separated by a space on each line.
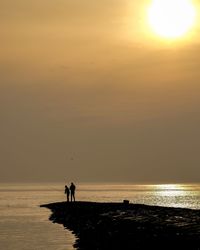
176 195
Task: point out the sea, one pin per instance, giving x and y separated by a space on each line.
24 225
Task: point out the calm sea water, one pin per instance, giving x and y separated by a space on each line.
25 226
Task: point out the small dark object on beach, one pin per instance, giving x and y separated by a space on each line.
126 201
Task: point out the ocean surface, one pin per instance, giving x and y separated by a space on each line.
25 226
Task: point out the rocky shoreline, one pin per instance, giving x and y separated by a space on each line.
121 226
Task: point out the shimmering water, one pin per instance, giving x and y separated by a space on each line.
170 195
25 226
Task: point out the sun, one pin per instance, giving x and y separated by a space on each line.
171 18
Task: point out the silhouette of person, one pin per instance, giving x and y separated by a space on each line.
72 190
67 192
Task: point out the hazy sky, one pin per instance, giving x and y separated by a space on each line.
89 93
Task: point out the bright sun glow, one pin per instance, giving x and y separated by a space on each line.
171 18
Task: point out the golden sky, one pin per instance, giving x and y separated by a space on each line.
89 80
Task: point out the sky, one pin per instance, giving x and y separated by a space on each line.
88 93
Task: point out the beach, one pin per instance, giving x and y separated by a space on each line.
107 225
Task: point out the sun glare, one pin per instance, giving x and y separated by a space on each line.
171 18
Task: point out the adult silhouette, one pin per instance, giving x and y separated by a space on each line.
72 191
67 192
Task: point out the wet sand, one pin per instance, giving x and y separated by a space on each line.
114 226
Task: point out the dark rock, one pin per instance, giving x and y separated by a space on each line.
124 226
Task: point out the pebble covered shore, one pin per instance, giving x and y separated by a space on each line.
114 226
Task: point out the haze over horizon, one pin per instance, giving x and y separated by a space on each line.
89 93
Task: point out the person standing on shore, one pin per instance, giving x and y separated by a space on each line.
67 192
72 191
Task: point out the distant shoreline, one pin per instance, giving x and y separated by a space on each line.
111 226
